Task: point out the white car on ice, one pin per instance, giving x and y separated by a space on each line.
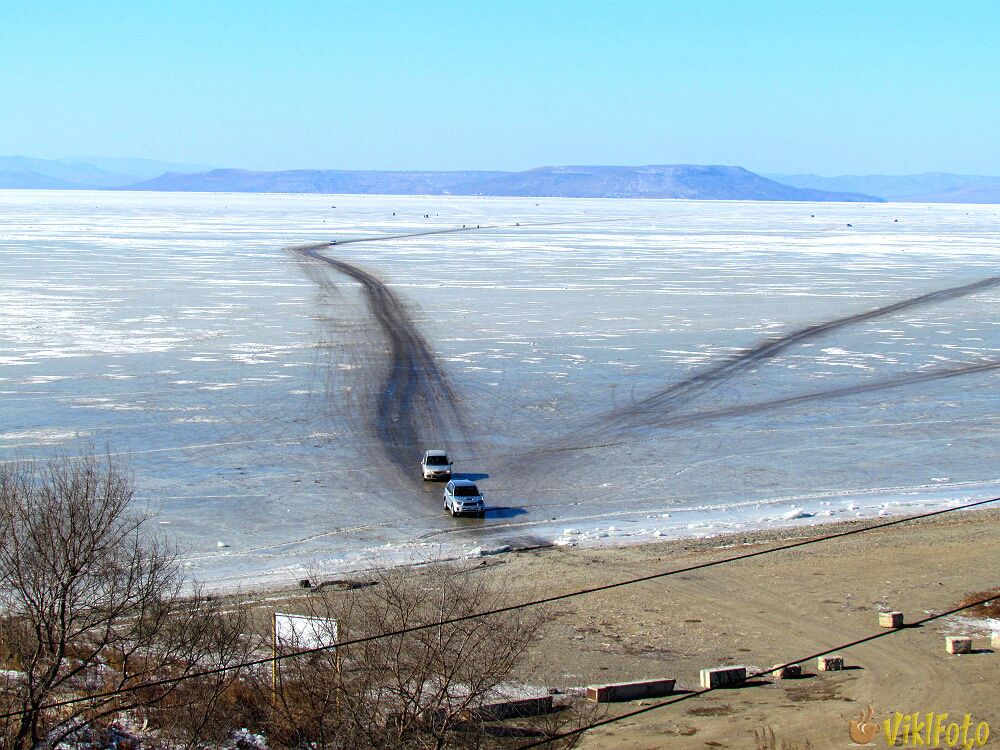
462 497
435 465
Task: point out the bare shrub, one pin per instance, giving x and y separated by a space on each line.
203 709
414 690
91 602
764 739
571 718
989 608
103 642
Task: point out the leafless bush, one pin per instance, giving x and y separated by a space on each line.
415 690
103 642
989 608
91 603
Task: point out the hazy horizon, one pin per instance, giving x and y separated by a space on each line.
210 166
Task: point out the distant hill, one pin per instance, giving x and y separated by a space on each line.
658 181
929 187
79 173
670 181
674 181
313 181
139 169
25 180
22 171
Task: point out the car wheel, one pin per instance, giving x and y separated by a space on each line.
481 514
454 513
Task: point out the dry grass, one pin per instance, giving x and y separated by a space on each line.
764 739
990 608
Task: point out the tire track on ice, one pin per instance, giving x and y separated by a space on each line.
416 405
656 409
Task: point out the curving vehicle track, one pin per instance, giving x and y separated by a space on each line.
661 408
416 405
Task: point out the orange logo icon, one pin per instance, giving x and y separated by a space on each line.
863 730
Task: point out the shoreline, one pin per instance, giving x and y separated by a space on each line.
755 611
694 544
801 524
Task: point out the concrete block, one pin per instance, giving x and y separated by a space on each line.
791 672
995 639
830 663
515 708
723 677
628 691
890 619
958 644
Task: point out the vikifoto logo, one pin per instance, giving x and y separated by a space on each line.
919 730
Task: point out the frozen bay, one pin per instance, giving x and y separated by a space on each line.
175 328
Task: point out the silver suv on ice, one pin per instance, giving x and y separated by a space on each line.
462 497
435 465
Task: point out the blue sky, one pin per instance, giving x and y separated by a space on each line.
825 87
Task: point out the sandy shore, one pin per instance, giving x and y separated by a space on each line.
761 612
765 611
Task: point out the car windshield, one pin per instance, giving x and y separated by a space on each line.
466 491
437 460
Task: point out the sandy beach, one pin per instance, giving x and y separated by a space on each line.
759 612
766 611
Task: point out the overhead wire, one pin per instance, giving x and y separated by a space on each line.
166 681
753 675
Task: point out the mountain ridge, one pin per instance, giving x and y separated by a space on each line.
929 187
78 172
690 181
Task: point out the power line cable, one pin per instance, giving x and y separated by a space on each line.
752 676
500 610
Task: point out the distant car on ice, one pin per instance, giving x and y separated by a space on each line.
462 497
435 465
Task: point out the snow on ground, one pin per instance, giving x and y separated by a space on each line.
175 329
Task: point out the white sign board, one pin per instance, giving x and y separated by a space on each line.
303 632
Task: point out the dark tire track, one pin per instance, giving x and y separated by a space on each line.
707 379
416 407
655 409
691 419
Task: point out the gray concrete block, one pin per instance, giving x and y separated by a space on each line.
791 672
958 644
723 676
499 710
628 691
830 663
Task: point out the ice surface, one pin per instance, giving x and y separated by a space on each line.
175 329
